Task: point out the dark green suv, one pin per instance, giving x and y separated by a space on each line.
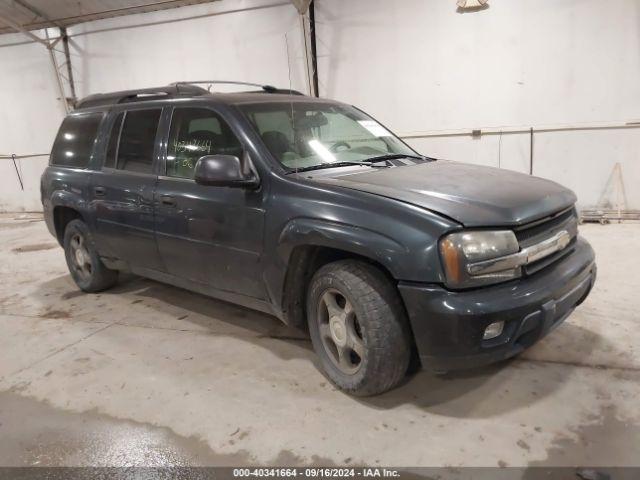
312 211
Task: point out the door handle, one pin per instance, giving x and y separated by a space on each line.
167 200
99 191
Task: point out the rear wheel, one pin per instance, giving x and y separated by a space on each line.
85 266
358 327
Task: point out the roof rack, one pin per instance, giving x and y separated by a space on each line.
176 89
138 95
265 88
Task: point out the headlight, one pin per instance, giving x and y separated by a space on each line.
480 257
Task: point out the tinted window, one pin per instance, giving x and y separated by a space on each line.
112 149
196 132
75 139
135 151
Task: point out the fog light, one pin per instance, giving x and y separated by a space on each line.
492 331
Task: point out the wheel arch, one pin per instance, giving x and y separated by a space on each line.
308 244
66 206
62 215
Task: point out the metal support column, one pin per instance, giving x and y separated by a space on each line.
307 14
314 52
307 60
531 151
67 54
56 68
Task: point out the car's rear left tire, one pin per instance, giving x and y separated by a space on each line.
83 261
358 327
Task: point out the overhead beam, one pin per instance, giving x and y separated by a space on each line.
101 12
49 46
19 28
27 6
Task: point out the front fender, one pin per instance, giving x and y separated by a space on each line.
373 245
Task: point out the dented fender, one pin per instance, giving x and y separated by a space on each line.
373 245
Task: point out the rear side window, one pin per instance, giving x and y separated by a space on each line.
74 143
137 140
114 136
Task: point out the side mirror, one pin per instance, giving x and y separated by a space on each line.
225 171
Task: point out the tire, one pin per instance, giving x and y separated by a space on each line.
86 268
372 315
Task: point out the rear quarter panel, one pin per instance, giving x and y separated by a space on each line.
65 187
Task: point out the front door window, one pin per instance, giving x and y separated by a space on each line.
194 133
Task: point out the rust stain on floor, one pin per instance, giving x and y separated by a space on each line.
605 433
55 314
36 247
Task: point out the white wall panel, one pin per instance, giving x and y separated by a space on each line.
247 45
416 65
30 115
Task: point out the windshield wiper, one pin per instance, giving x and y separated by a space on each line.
338 164
369 162
393 156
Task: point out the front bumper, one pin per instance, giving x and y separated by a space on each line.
448 326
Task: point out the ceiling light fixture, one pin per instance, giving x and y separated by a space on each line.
471 4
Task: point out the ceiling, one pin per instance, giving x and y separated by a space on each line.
35 14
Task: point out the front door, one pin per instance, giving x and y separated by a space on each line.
123 190
209 235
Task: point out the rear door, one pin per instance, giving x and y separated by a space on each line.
206 234
123 190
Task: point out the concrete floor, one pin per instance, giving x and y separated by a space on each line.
148 374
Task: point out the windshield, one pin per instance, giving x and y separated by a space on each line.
306 134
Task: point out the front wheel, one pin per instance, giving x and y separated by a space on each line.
85 266
358 327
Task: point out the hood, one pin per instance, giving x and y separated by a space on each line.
473 195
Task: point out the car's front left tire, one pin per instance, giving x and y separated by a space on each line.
85 266
358 327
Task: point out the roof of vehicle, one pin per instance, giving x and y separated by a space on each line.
184 90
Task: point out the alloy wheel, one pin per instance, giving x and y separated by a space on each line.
80 256
340 332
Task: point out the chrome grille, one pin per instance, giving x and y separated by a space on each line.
536 232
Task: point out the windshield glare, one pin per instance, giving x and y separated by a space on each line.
302 135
